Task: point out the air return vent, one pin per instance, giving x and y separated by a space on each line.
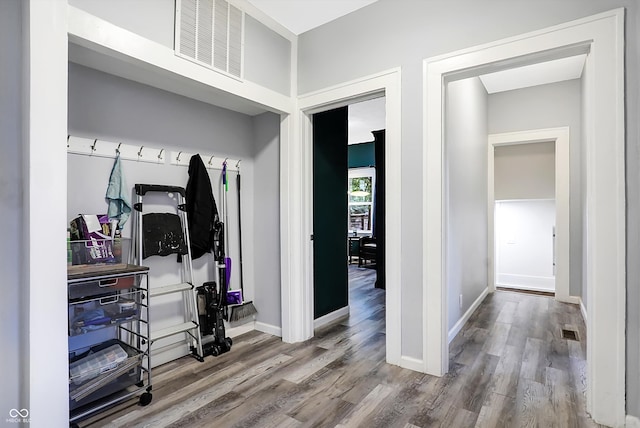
210 33
570 334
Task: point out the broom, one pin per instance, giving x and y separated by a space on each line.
244 309
227 259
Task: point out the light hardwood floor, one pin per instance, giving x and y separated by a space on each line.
509 367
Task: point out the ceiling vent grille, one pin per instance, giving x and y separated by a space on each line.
210 33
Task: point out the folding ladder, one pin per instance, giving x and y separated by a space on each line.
162 234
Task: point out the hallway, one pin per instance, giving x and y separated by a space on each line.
510 367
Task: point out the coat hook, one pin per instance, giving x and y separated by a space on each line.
140 151
68 136
225 160
160 154
118 148
93 147
210 159
178 157
238 164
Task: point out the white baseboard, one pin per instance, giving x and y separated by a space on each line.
237 330
463 320
583 309
632 422
173 351
574 300
411 363
268 328
166 354
538 283
525 287
331 317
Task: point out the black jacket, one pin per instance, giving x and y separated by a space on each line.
202 213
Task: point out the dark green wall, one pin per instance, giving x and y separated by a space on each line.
362 155
330 277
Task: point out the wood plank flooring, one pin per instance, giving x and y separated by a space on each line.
509 367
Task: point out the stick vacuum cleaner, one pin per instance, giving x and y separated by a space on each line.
212 301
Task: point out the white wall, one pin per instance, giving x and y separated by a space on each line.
114 109
267 57
633 209
583 195
44 117
524 244
153 19
525 171
266 237
12 323
466 178
401 33
548 106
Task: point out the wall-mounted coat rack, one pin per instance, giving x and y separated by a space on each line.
109 149
210 161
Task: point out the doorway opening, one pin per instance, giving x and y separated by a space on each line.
525 217
348 214
604 231
547 193
366 215
298 320
524 237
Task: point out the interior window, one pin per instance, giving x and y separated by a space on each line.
361 191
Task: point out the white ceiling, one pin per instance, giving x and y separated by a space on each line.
368 116
533 75
299 16
364 117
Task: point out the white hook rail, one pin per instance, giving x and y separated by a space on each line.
210 161
109 149
143 153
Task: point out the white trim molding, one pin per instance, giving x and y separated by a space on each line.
237 330
583 310
296 298
120 52
560 136
601 36
632 422
331 317
463 320
174 350
168 353
268 328
526 282
297 209
411 363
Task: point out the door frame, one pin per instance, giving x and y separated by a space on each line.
602 36
560 136
297 318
